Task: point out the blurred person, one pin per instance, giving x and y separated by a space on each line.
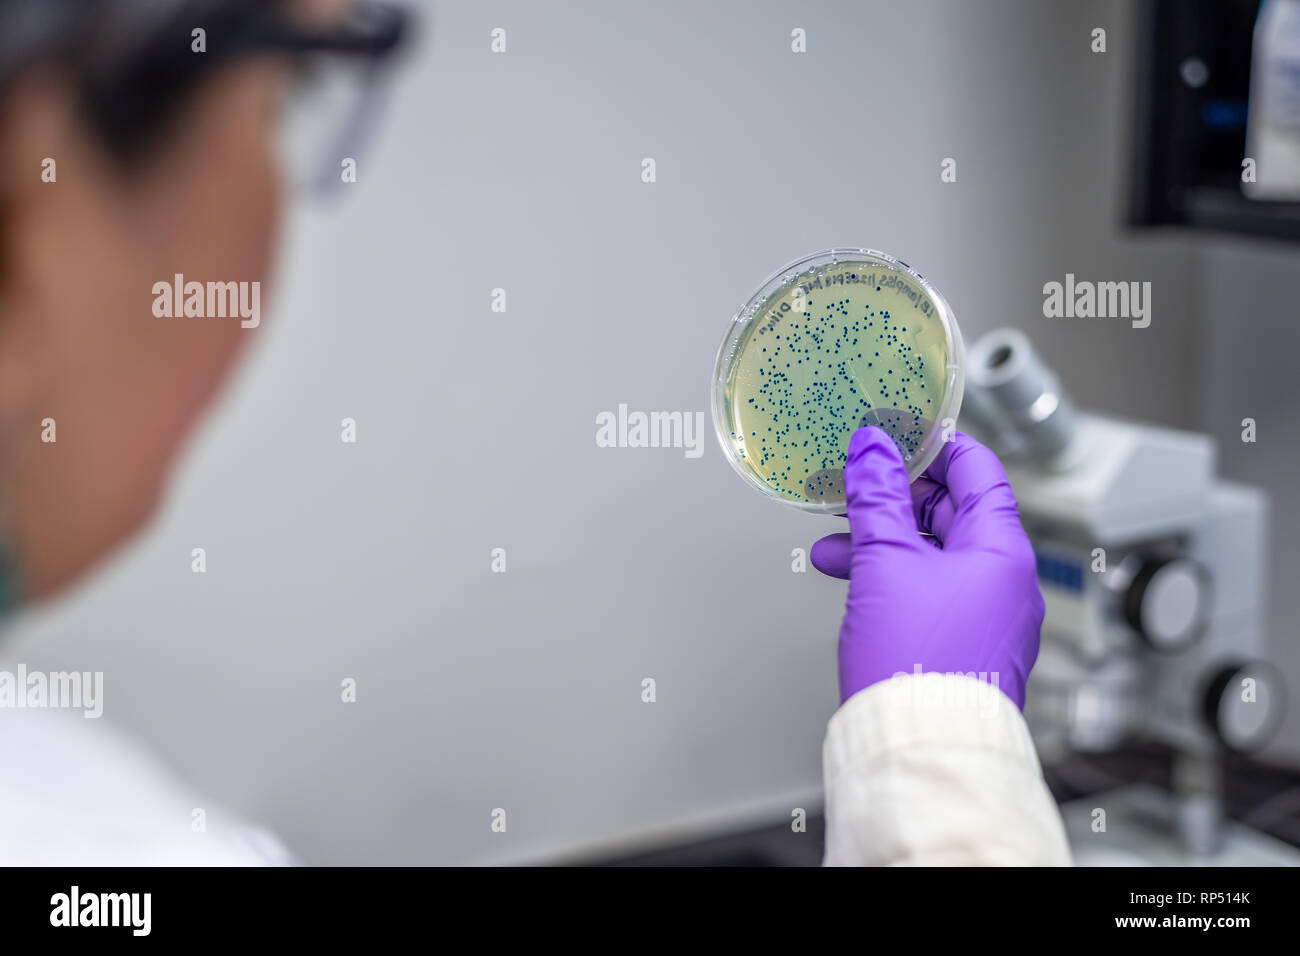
137 139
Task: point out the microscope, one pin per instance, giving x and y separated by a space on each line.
1153 572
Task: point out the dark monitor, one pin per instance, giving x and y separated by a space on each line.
1191 113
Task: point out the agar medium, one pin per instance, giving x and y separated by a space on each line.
831 343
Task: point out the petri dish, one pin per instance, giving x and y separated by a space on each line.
833 342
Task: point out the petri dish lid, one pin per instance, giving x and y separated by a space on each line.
835 341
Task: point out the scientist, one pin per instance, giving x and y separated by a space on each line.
136 148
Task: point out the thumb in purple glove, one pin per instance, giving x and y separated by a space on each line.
969 605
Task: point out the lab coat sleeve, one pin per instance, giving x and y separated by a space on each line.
936 770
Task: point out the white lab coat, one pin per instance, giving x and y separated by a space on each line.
73 792
936 770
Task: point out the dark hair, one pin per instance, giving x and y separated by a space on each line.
133 61
127 59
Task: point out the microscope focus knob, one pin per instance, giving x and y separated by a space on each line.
1244 704
1167 602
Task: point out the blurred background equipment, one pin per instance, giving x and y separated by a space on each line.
1217 125
1152 569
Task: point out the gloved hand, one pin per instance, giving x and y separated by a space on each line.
966 602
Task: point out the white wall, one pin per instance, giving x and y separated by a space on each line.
476 429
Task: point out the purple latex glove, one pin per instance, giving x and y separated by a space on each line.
964 601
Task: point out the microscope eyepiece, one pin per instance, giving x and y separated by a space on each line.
1022 393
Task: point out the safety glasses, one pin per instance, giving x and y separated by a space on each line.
336 86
